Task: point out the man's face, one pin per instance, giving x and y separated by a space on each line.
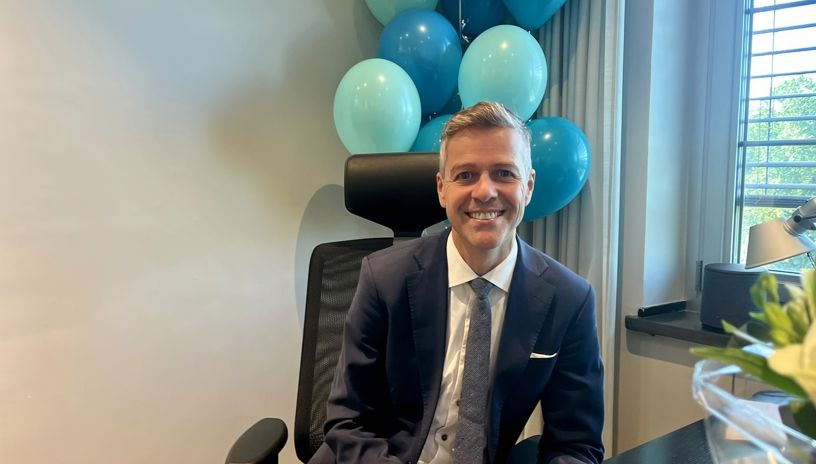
484 191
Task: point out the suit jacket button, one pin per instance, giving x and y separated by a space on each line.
444 437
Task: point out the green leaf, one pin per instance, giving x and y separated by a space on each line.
758 330
782 332
804 413
772 287
767 282
809 287
742 335
758 296
753 365
759 317
780 337
794 291
797 313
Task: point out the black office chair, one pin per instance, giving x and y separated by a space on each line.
396 190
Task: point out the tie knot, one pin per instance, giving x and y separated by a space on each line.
481 287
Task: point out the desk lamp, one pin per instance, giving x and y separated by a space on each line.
726 286
779 239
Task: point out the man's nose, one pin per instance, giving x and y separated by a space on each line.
485 188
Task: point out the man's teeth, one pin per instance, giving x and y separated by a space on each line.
484 215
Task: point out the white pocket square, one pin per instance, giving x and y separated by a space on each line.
543 355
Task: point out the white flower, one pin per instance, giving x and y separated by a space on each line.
799 362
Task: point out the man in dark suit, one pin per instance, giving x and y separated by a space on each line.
453 339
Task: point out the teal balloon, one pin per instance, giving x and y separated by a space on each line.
385 10
428 139
504 64
376 108
561 159
424 44
532 14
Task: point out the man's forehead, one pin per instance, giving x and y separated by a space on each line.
486 160
479 131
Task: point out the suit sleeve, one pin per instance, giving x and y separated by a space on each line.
572 404
355 423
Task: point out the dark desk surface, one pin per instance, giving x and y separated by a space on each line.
685 445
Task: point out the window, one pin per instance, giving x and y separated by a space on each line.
777 144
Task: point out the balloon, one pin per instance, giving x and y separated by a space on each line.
454 105
385 10
532 14
504 64
425 45
428 139
561 159
478 15
376 108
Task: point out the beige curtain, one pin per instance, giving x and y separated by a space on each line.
583 44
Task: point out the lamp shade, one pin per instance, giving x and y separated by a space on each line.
770 242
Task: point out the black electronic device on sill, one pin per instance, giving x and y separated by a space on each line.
727 294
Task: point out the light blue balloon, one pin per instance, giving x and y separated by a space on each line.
504 64
428 139
477 15
561 159
376 108
425 45
532 14
385 10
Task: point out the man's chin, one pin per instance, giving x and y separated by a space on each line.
488 242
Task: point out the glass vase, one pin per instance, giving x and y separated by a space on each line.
737 431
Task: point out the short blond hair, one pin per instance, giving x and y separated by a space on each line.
486 115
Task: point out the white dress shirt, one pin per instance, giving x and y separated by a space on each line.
437 449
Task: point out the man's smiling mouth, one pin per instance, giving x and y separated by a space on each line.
484 215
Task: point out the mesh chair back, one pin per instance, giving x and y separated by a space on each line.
396 190
333 273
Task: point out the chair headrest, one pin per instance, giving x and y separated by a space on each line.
396 190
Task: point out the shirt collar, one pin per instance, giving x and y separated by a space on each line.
459 272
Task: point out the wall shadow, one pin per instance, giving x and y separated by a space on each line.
326 220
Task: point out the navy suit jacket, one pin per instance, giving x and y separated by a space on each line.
388 377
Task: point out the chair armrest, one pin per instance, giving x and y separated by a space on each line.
260 444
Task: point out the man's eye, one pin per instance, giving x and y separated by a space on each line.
506 174
464 176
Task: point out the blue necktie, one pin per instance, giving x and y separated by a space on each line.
471 435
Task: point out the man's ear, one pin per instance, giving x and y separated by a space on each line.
440 189
530 186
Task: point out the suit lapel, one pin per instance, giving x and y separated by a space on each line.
428 301
527 307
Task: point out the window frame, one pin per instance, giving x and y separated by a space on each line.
742 142
713 227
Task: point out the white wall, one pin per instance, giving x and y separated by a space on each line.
165 169
665 82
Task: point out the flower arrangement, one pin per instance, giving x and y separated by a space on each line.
778 347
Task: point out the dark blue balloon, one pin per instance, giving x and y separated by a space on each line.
532 14
478 15
561 159
454 105
425 45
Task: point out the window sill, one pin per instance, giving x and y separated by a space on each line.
675 320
